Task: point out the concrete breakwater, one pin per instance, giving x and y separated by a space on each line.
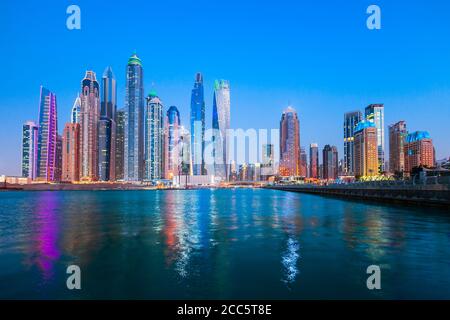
431 195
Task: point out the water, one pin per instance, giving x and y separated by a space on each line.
193 244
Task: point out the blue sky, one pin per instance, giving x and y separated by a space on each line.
316 55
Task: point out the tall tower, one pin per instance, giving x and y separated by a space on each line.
351 119
289 143
107 126
120 144
330 162
366 149
220 125
375 114
47 136
185 151
71 153
29 149
198 126
134 122
397 136
154 138
314 161
172 143
76 109
89 119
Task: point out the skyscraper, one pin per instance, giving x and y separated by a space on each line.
172 143
29 149
268 161
419 151
303 162
375 114
76 109
107 126
397 136
134 123
198 126
220 125
120 144
366 149
58 164
289 143
351 119
47 136
71 153
314 161
185 148
330 162
153 138
89 120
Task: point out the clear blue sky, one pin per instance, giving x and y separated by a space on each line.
317 55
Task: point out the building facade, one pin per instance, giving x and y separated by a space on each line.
120 144
71 153
330 162
289 143
29 149
76 109
366 150
314 161
172 163
397 136
351 119
419 151
375 114
198 126
153 139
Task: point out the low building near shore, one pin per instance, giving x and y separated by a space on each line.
193 181
15 180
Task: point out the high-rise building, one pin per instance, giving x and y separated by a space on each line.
76 109
397 136
366 149
330 162
71 152
267 161
303 162
220 125
153 138
134 123
198 126
107 127
351 119
172 161
47 136
58 164
120 144
314 161
89 120
419 151
29 149
375 114
289 143
185 149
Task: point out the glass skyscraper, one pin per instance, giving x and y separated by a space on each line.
153 139
198 126
351 119
220 125
120 144
289 143
134 122
29 149
330 162
76 109
172 143
314 161
375 114
47 136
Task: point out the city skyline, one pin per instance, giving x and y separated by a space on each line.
305 78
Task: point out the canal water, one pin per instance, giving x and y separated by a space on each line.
212 244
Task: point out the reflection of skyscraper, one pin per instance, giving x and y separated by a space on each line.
76 109
375 114
120 144
47 136
330 162
29 149
153 138
90 108
314 161
366 149
172 143
71 152
220 124
134 131
107 127
397 135
351 119
289 143
419 150
198 126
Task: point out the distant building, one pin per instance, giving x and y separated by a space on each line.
172 143
185 151
29 149
375 114
47 137
120 144
267 161
330 162
314 161
366 149
303 162
198 126
289 143
351 119
153 139
71 152
58 165
76 109
419 151
397 137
